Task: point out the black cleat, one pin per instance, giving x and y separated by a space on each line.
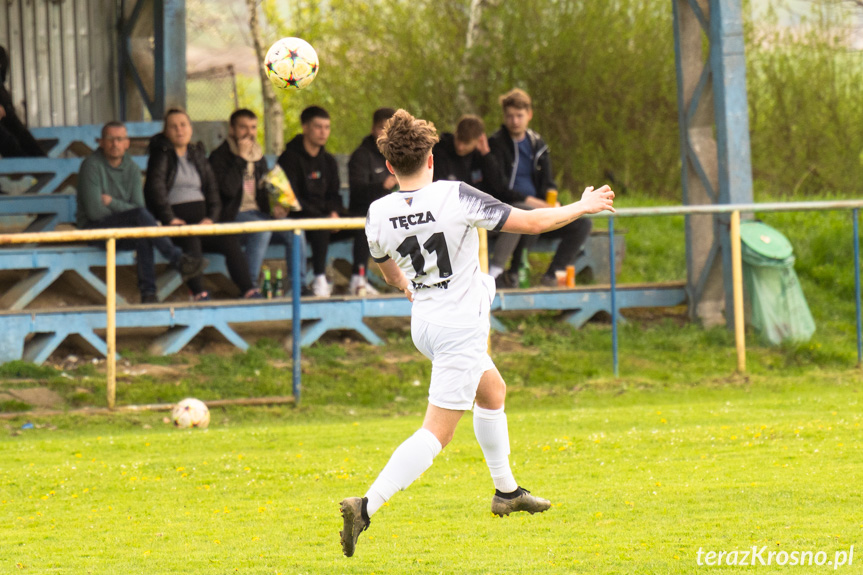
356 520
522 501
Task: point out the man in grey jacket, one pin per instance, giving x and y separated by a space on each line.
110 195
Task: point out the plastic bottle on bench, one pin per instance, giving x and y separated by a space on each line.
267 286
279 290
524 272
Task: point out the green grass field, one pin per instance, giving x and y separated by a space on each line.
677 455
640 481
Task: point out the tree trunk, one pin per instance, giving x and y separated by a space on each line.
274 117
470 39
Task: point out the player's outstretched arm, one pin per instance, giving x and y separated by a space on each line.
394 276
548 219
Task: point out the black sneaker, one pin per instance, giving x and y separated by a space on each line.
520 500
190 267
505 281
356 520
548 280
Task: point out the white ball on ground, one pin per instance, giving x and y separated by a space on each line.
190 412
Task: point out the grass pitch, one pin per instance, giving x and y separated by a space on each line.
675 457
640 481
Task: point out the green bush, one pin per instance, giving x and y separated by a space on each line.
602 75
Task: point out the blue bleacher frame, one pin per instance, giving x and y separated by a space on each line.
35 335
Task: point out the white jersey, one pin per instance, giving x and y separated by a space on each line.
431 234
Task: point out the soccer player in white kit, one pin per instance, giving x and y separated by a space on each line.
424 239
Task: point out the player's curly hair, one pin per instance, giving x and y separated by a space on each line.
406 142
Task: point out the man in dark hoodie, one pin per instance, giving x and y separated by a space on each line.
314 176
15 139
239 166
369 180
524 158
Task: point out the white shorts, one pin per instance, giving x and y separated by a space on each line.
459 357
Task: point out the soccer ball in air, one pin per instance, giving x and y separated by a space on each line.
291 62
190 412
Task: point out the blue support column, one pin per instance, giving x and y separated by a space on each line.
728 66
714 143
171 63
169 56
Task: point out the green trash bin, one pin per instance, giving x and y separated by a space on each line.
779 311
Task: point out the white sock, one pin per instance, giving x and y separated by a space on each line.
490 428
407 463
495 271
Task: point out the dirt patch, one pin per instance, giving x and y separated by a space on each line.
37 396
156 371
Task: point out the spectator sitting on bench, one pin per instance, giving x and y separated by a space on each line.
314 175
369 180
239 167
181 189
15 139
465 156
110 196
524 158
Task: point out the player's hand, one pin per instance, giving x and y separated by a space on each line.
177 222
334 215
390 182
408 293
595 201
205 222
2 112
106 200
482 145
280 212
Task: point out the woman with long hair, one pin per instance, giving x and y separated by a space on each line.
181 190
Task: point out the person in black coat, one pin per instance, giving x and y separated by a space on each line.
314 176
181 189
15 139
239 166
369 180
524 158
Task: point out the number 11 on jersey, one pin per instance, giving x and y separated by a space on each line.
436 244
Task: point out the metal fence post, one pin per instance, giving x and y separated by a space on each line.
111 321
737 291
613 296
296 291
856 215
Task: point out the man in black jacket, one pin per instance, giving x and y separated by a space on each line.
369 180
314 176
239 166
524 158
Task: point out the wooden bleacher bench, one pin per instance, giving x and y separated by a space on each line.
49 210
